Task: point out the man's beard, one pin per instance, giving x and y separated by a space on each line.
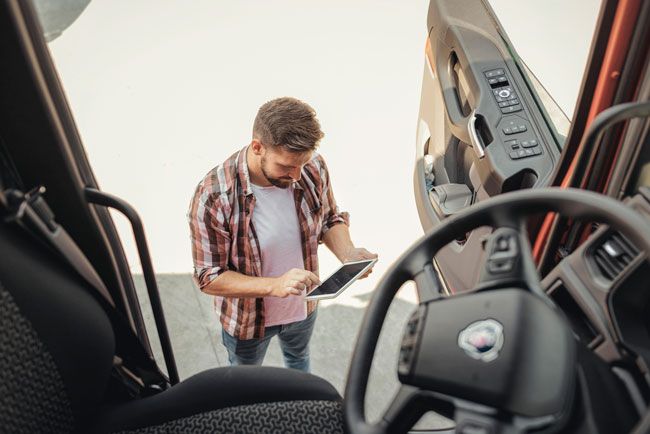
278 182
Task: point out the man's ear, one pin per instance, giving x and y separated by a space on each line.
257 147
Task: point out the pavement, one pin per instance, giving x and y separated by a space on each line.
196 340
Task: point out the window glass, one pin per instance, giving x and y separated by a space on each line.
552 39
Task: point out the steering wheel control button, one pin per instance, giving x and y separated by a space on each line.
502 244
410 341
499 266
482 340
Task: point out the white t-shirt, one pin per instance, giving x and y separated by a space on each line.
278 231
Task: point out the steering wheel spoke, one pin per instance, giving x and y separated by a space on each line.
404 410
428 284
409 404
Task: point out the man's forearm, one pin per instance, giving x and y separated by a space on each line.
338 240
233 284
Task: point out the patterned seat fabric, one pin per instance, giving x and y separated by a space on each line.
32 394
290 417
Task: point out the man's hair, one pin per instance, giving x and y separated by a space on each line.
289 123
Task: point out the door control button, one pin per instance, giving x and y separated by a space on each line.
529 143
519 153
511 109
495 73
512 128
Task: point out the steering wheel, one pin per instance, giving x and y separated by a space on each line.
501 358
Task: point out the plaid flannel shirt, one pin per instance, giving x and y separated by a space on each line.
223 235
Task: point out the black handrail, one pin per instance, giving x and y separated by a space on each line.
108 200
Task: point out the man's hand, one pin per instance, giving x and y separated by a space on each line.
358 254
293 282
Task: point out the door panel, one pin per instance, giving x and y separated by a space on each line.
480 132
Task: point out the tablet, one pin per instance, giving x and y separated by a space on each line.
340 279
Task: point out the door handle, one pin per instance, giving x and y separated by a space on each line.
459 48
458 123
474 138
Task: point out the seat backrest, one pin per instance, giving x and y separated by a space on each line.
56 341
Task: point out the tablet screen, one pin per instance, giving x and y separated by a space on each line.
340 278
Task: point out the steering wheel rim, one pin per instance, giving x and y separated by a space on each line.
507 210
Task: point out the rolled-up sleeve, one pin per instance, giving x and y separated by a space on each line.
332 215
209 235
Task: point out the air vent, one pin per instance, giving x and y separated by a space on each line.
613 254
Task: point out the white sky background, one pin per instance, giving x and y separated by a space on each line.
162 91
553 38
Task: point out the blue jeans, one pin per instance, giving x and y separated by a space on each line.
294 341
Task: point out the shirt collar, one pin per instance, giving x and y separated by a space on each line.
244 175
242 172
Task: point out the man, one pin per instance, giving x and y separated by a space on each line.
256 222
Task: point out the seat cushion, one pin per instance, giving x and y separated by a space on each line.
236 390
288 417
57 344
32 394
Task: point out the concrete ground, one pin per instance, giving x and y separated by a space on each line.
196 339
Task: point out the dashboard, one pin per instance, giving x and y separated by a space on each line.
603 289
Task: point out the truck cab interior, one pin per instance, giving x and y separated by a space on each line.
551 334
